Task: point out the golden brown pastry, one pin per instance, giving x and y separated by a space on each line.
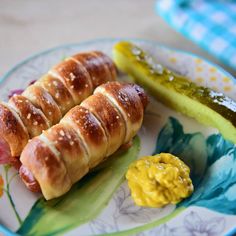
58 91
42 100
32 117
85 136
44 103
13 130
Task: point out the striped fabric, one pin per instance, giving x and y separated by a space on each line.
209 23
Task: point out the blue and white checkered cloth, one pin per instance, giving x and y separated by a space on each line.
209 23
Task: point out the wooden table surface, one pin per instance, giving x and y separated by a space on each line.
29 26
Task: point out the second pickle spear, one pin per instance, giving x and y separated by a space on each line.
205 105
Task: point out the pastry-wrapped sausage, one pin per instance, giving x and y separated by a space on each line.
44 103
85 136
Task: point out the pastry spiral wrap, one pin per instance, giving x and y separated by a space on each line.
44 103
85 136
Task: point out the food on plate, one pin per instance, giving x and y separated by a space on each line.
207 106
86 135
44 103
86 199
156 181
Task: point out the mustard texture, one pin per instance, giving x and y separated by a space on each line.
156 181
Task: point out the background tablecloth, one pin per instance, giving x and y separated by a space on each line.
209 23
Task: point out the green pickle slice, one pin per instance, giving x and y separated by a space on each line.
205 105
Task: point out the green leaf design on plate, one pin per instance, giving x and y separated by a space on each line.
83 202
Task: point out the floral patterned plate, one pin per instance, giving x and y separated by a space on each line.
211 210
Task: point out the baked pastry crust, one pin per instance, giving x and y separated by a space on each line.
85 136
12 129
45 102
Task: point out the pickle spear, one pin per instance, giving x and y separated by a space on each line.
205 105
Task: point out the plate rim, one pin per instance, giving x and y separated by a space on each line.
5 230
5 75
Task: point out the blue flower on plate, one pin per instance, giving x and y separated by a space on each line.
213 171
191 148
212 162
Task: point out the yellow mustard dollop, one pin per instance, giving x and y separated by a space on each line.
158 180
